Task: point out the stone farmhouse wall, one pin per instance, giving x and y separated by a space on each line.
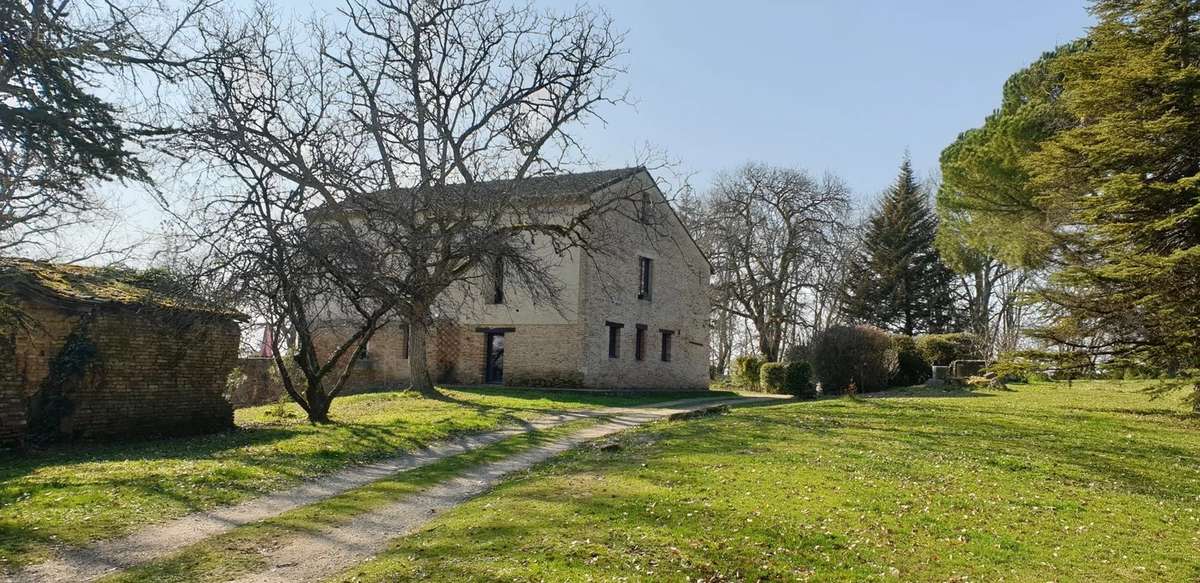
567 345
679 302
90 371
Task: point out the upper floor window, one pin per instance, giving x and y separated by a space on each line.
614 339
496 293
667 337
644 207
645 277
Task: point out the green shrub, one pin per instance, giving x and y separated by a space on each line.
772 377
911 366
799 380
942 349
746 371
853 355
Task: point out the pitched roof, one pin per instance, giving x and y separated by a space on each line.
568 186
558 185
553 187
103 285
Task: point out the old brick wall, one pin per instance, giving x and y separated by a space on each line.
104 371
547 355
386 364
12 409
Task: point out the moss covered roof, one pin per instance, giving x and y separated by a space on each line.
105 285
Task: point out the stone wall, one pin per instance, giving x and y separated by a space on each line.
106 371
679 301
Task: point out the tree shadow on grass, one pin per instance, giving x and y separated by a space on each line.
1061 452
15 464
16 541
1157 413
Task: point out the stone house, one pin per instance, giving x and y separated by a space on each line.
96 352
636 318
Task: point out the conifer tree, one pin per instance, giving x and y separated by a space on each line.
898 281
1124 184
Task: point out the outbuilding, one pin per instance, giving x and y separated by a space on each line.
90 352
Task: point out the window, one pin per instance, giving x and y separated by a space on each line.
405 347
363 352
614 339
497 280
645 277
639 345
644 206
667 336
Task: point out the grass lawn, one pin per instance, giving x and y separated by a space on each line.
76 494
239 551
1096 482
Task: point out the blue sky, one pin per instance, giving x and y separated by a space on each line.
844 86
838 85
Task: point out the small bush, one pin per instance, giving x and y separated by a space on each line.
943 349
853 355
746 371
799 380
772 377
911 366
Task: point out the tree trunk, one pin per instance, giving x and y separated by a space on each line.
418 359
318 404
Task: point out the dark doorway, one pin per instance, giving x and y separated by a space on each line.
493 371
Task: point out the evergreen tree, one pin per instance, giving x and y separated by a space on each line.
897 281
1124 184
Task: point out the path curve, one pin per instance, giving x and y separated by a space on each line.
317 556
159 540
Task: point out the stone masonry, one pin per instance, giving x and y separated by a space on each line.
567 346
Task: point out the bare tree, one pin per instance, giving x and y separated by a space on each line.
771 231
408 132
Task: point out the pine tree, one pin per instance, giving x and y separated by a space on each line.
898 281
1125 186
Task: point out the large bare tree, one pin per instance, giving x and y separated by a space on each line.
408 131
772 232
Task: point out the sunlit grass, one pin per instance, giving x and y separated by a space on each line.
238 551
76 494
1095 482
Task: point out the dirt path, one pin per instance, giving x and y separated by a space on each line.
159 540
317 556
